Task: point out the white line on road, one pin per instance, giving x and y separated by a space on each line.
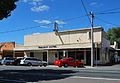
94 78
9 80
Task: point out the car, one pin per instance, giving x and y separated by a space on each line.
30 61
8 61
68 62
0 61
17 61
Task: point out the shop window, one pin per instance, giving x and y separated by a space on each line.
31 54
97 51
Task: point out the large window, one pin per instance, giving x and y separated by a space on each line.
97 51
31 54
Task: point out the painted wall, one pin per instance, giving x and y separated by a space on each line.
67 37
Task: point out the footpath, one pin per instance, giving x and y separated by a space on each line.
101 68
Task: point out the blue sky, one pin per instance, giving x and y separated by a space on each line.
33 13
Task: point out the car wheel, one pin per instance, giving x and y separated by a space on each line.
44 65
18 64
7 63
65 65
60 66
74 66
40 65
29 64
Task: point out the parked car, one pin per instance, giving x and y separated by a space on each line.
69 62
0 61
8 61
17 61
32 61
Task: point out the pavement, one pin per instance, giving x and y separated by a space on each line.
101 68
54 74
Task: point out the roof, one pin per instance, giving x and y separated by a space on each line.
99 28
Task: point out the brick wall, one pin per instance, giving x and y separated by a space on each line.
6 49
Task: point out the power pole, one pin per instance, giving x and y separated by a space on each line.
56 27
92 39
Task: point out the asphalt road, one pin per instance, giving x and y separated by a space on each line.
25 74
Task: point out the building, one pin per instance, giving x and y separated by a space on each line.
6 49
72 43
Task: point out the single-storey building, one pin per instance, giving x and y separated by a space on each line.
51 46
6 49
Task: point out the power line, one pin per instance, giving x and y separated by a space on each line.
106 22
16 30
69 19
109 10
23 29
108 13
86 11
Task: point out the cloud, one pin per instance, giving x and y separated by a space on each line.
47 23
31 1
60 22
36 2
93 3
40 8
37 5
43 21
25 1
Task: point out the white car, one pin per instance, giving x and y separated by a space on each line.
32 61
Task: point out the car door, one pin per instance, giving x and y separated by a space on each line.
40 62
35 61
71 62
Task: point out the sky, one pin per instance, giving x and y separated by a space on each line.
38 16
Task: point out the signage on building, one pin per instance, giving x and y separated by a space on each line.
52 46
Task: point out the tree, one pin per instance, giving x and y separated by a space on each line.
114 35
6 6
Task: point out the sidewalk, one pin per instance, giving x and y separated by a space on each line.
113 67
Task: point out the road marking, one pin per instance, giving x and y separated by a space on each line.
95 78
9 80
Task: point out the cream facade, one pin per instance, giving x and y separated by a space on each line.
74 43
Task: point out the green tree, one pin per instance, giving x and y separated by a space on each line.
114 35
6 6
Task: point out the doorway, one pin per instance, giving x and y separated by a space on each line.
44 56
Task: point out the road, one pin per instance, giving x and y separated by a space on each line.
25 74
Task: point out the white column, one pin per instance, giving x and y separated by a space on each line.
64 53
47 56
85 57
25 55
13 53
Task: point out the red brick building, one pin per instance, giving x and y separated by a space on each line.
6 49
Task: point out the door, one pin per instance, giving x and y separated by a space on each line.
88 58
44 56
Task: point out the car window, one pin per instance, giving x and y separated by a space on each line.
10 59
28 59
38 60
34 59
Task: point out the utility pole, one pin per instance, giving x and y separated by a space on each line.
56 27
92 39
56 32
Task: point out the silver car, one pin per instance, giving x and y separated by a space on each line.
32 61
8 61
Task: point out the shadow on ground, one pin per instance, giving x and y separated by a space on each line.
23 76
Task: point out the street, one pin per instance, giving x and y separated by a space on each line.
51 74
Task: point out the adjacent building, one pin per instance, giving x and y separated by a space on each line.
6 49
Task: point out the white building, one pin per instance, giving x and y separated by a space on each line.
73 43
